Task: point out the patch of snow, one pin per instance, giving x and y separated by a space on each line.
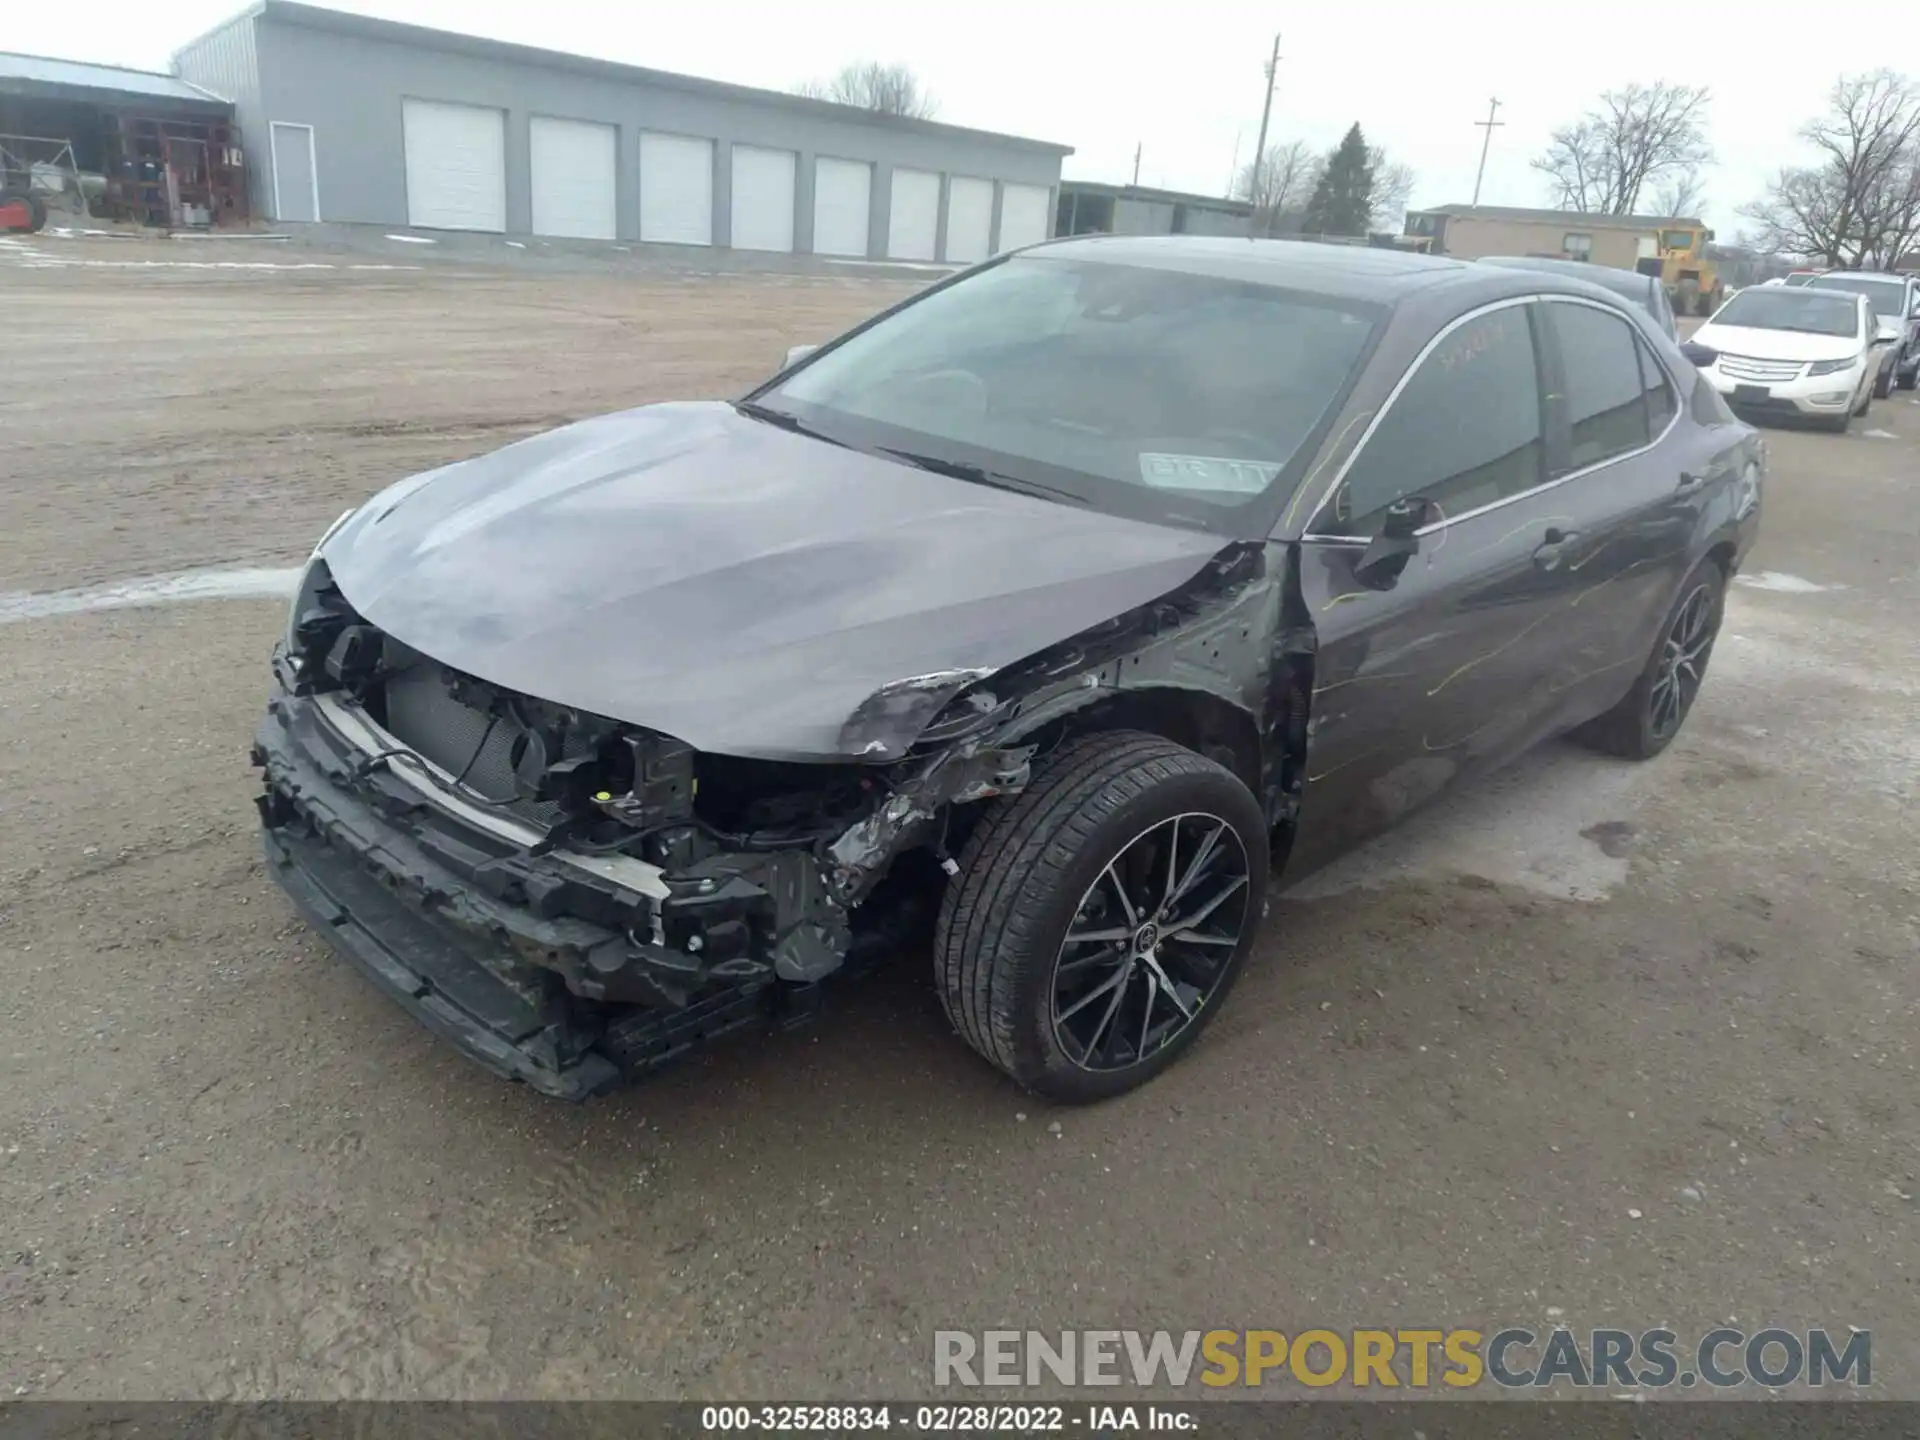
1880 434
1781 582
247 584
414 239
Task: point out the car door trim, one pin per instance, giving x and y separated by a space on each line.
1322 538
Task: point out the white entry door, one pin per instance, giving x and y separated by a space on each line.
574 165
762 198
969 219
913 215
676 189
842 203
456 165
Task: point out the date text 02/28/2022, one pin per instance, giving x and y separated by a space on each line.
947 1419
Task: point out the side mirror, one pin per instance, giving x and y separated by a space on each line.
1700 355
795 354
1387 553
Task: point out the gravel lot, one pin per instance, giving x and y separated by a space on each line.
1610 1044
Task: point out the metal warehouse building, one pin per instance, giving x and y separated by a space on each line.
366 121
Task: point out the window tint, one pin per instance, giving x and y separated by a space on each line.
1662 403
1465 431
1606 415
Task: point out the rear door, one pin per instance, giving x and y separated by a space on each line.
1423 677
1629 481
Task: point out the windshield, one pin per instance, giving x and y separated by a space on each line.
1166 396
1784 309
1889 297
1676 239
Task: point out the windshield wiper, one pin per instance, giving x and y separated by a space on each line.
980 475
785 420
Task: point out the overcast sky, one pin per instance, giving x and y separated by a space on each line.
1182 79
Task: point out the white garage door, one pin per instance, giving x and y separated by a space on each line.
676 189
913 215
762 198
456 165
842 198
1023 215
574 164
969 219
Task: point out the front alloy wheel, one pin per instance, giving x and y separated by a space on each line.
1101 916
1150 941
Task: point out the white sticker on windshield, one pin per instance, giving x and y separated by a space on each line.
1207 472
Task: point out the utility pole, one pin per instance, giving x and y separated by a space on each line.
1489 124
1260 149
1136 163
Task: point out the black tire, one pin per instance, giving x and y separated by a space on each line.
1838 424
1909 378
1633 729
1708 304
1030 869
1883 383
1866 404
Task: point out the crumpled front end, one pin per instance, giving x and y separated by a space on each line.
565 897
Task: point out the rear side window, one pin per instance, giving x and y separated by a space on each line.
1662 403
1465 432
1606 411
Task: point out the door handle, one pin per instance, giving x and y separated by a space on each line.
1554 546
1689 482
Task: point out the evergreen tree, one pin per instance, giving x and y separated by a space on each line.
1342 202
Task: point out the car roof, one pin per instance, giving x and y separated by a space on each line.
1366 273
1886 275
1622 282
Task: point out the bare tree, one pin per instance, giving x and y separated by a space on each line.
1858 204
1635 137
1680 195
1280 182
1393 182
869 85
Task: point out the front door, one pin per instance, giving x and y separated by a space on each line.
1424 676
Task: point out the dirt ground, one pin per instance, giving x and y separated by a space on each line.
1596 1045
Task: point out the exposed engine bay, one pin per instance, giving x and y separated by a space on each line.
644 875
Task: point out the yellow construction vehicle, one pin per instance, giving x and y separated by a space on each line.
1678 255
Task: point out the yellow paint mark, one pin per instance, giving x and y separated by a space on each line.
1362 679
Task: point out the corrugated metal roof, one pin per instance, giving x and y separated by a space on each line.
77 74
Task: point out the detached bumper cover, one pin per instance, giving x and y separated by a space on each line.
482 942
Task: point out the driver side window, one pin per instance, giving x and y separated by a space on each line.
1465 431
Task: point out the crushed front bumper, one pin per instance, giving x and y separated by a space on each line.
546 968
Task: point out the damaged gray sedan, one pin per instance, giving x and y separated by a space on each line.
1045 615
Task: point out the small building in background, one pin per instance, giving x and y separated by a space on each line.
1469 232
1088 207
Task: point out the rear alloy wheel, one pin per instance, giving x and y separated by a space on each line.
1101 916
1652 712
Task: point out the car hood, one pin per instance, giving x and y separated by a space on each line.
740 587
1775 344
